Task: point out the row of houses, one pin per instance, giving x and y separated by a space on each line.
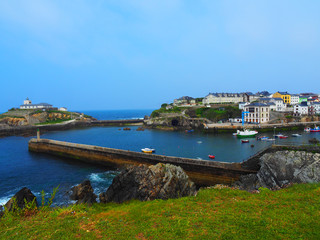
235 98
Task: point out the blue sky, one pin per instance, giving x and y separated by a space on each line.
89 55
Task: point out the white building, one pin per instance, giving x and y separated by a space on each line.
294 99
217 98
314 108
257 113
242 104
280 105
301 109
64 109
28 105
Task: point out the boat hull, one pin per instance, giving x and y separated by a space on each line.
246 136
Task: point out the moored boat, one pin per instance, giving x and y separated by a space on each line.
307 129
211 156
283 137
244 140
315 129
296 135
148 150
246 133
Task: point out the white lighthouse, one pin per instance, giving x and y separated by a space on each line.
27 101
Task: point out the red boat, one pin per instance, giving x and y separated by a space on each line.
212 156
245 141
283 137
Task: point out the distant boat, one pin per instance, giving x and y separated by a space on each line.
307 129
246 133
270 139
283 137
189 131
211 156
296 135
315 129
262 138
148 150
244 140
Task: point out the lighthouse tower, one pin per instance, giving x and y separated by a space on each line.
27 101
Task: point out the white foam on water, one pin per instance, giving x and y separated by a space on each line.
4 200
96 177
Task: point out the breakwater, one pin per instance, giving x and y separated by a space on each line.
30 130
202 172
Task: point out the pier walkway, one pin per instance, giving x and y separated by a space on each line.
202 172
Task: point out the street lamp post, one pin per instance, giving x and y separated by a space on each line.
274 135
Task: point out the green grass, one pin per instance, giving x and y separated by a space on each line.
53 121
291 213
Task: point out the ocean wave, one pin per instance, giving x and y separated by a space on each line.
97 177
4 200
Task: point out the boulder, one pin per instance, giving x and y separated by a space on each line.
248 182
161 181
1 211
285 167
281 168
24 195
83 193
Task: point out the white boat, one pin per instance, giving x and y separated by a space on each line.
246 133
296 135
148 150
270 139
307 129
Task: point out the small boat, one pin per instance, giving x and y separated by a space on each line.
270 139
244 140
246 133
148 150
263 138
211 156
189 131
315 129
307 129
283 137
296 135
278 135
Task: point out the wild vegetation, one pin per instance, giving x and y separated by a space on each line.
213 114
215 213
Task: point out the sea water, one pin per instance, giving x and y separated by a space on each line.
21 168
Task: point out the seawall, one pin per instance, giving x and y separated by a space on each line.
30 130
202 172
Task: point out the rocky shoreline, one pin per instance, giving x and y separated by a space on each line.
278 169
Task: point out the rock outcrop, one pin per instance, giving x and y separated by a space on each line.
161 181
83 193
281 168
24 195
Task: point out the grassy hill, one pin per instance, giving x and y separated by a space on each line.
216 213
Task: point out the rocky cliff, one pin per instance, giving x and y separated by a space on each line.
161 181
30 117
281 168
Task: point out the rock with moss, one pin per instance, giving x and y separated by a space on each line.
20 199
161 181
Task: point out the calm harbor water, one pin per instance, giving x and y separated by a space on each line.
19 168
